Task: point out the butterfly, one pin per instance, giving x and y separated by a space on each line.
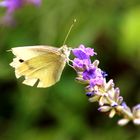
41 65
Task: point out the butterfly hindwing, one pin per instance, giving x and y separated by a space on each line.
46 66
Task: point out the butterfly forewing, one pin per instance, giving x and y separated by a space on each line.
38 63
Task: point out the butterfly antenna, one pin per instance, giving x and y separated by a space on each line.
74 21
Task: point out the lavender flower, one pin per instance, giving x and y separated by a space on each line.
83 53
98 90
82 59
12 6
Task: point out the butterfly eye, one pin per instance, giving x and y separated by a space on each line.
21 60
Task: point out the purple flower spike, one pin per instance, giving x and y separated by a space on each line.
83 63
12 6
98 89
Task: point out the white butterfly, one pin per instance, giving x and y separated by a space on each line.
40 63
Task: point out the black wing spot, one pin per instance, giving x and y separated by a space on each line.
21 60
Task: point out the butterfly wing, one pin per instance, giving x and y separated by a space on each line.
38 63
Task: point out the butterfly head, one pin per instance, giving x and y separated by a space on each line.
65 51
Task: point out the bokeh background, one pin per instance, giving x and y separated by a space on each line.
62 112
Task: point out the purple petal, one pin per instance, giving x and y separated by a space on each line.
80 54
12 5
97 81
104 74
124 105
83 53
78 63
136 108
89 94
89 74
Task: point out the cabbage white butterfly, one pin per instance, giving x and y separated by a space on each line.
41 63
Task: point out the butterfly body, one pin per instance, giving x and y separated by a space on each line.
40 63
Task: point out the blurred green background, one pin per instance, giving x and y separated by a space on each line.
62 112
